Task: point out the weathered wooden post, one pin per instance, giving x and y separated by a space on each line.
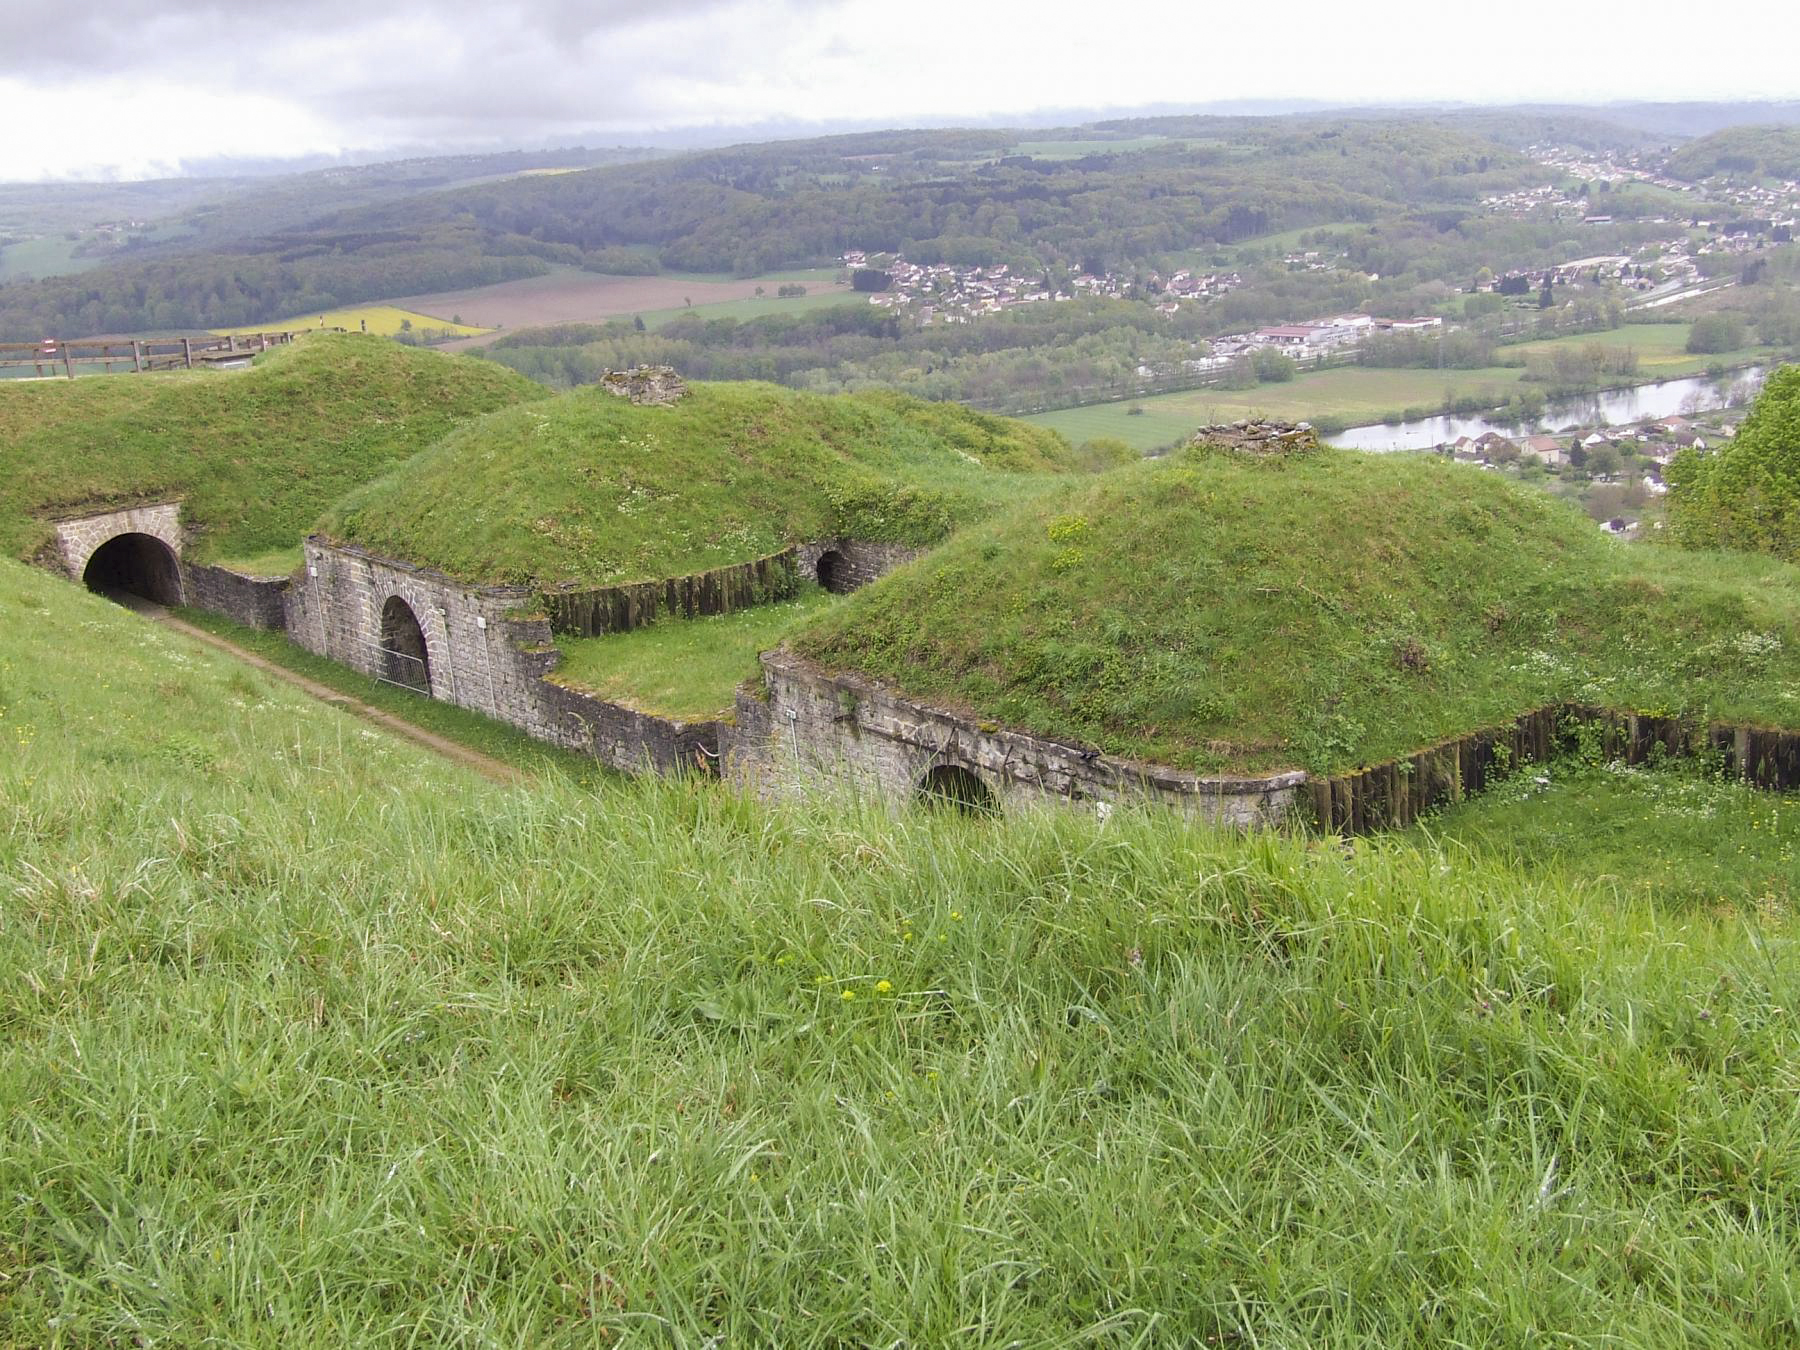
137 356
187 353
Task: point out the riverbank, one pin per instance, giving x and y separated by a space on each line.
1344 397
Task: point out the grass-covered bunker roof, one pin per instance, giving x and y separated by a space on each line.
1217 612
255 455
592 489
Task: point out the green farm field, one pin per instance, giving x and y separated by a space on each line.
307 1037
1358 394
48 256
1353 392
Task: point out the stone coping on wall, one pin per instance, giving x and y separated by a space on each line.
814 721
836 710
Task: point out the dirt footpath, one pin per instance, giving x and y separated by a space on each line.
485 765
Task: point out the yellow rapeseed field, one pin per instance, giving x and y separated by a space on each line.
382 320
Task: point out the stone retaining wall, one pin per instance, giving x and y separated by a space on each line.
486 650
255 602
815 729
853 563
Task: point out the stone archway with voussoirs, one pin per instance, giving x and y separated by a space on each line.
405 651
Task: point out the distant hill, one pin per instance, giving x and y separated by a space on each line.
1221 614
956 195
1740 152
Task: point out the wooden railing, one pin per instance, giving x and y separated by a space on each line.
55 356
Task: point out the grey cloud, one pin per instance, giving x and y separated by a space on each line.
223 34
420 71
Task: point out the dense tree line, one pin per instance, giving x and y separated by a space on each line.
933 195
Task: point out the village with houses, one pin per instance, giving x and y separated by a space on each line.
945 293
1614 472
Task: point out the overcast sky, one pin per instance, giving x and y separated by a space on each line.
137 90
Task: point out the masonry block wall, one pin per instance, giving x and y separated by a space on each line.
255 602
77 540
807 727
844 565
484 651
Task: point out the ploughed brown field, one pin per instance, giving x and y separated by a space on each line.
573 297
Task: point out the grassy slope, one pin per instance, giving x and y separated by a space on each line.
1225 614
306 1038
594 489
256 455
688 669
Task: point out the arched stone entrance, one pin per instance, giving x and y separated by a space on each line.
959 789
405 658
133 564
833 572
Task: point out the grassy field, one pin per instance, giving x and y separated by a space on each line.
255 455
1661 349
569 295
592 489
1337 609
1671 835
1356 393
381 320
756 307
689 669
307 1038
1060 150
48 256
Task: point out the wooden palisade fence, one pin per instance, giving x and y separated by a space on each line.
1397 793
619 609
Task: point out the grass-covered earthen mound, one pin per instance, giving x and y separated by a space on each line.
255 455
593 489
1217 612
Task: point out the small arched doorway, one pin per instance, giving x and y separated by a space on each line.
138 565
833 572
958 789
405 659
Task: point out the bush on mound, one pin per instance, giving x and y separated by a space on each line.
1217 612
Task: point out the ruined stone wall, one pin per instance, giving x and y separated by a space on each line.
653 385
1258 437
256 602
77 539
816 729
856 562
486 651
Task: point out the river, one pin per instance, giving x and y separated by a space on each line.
1613 408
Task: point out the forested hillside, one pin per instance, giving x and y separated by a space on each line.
1742 152
956 196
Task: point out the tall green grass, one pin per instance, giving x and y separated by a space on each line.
307 1038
